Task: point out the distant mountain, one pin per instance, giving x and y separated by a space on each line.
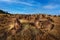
3 12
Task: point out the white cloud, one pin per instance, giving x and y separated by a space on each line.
16 1
50 6
25 3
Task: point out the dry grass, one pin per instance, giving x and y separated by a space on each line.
28 29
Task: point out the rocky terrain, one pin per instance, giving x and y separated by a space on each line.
29 27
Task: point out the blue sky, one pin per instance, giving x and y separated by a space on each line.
31 6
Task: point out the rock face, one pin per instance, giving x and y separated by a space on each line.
29 27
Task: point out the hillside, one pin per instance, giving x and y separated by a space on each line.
29 27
